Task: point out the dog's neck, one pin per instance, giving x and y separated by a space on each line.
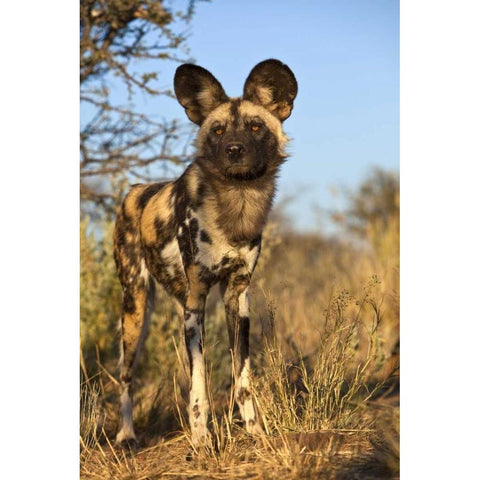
239 207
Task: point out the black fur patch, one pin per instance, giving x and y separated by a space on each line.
234 104
244 336
202 189
205 237
243 394
148 193
207 276
192 230
190 334
255 242
128 302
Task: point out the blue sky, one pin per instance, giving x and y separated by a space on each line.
345 55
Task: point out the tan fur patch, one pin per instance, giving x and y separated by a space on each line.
221 115
206 99
159 207
132 327
193 181
131 201
197 289
248 210
264 94
249 110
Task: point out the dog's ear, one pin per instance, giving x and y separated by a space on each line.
272 85
198 91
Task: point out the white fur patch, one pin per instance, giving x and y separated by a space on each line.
247 410
171 256
198 403
212 254
243 304
144 273
250 256
126 432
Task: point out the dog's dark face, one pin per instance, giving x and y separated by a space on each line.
240 138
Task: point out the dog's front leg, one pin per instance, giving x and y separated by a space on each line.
235 297
194 335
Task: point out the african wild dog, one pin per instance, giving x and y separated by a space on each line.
205 227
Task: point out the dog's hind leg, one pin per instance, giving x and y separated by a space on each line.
138 298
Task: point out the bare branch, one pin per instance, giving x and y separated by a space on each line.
119 143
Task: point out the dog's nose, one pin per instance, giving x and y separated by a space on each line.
234 149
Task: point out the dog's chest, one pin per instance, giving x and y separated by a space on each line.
201 242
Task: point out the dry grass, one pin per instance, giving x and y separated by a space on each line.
249 460
323 417
325 454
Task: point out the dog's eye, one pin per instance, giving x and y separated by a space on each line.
255 127
218 131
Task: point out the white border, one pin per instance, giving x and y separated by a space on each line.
439 158
39 241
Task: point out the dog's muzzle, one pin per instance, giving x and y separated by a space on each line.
234 151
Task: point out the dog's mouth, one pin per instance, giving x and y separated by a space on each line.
233 171
242 173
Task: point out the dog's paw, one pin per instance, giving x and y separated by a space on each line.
253 427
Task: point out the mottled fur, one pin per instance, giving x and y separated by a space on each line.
205 227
